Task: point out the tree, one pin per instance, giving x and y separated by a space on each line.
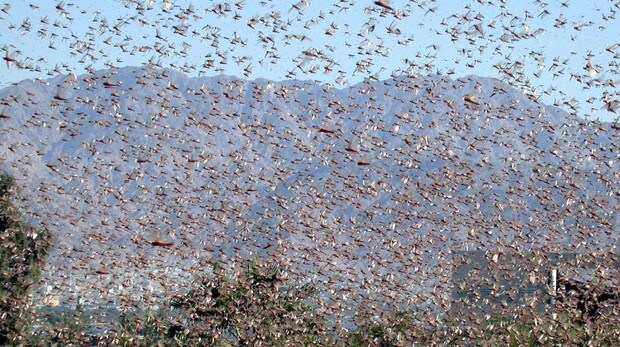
254 306
22 250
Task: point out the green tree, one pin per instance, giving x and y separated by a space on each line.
254 306
22 250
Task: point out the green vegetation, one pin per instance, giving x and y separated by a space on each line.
522 327
400 330
254 306
22 250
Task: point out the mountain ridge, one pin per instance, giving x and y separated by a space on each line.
383 178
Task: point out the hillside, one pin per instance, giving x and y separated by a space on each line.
367 188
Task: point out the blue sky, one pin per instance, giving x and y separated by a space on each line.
543 46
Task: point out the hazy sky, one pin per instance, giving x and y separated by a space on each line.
543 45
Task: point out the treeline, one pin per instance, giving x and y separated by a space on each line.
257 306
254 306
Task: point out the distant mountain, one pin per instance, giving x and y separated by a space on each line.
370 187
